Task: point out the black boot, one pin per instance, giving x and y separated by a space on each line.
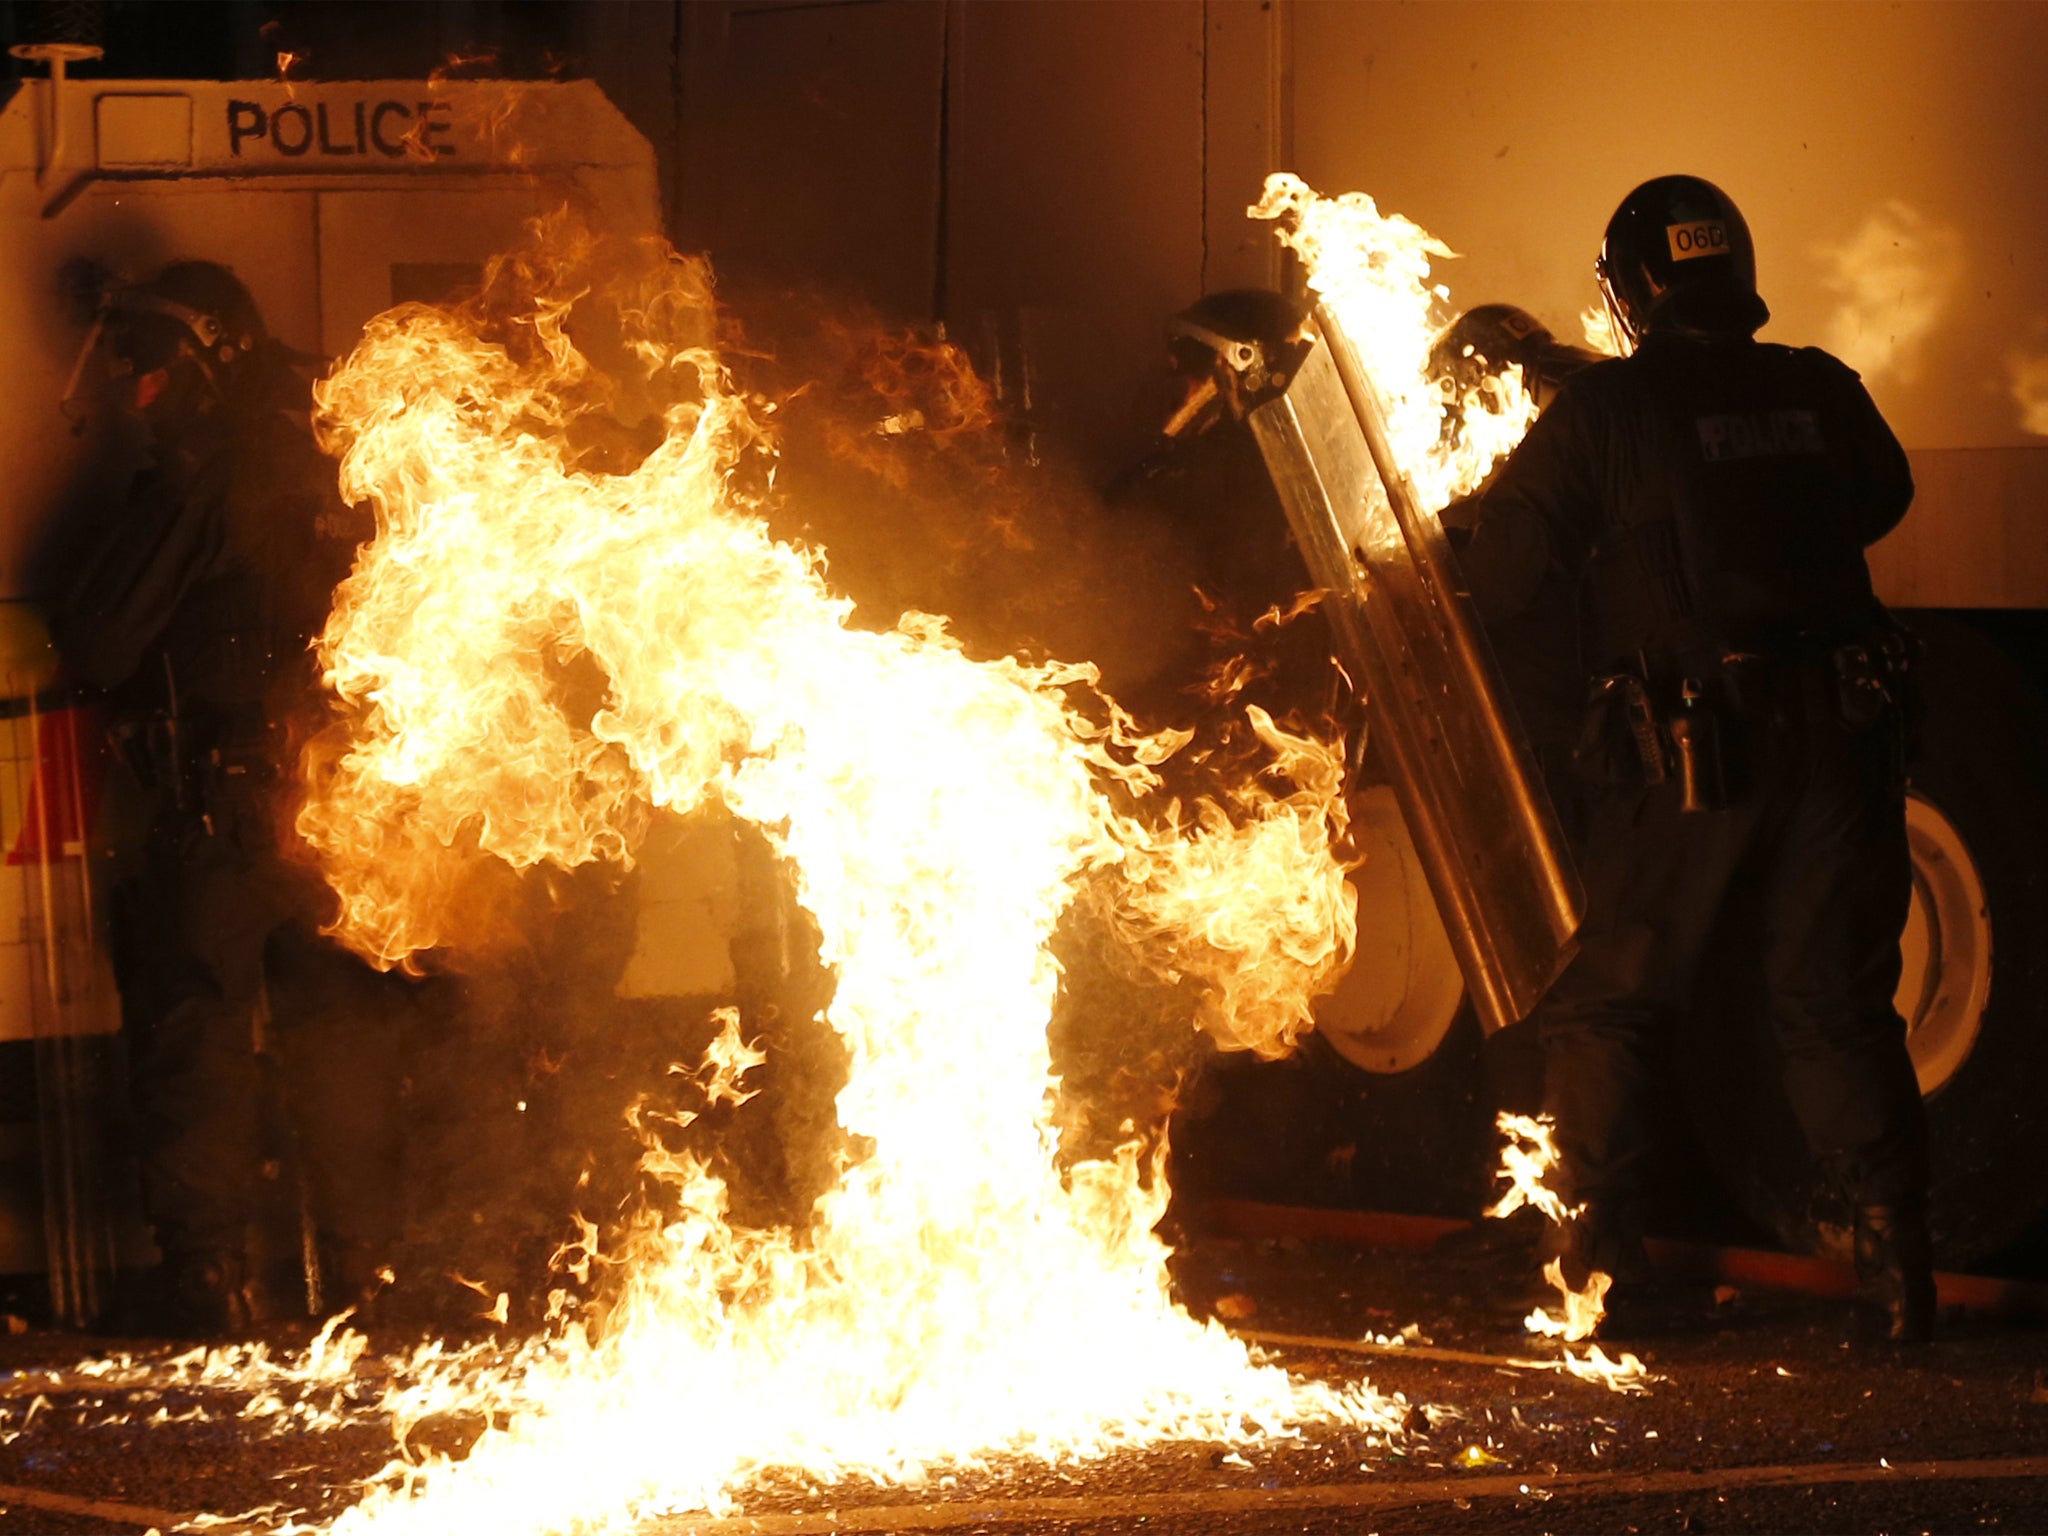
1604 1238
1895 1273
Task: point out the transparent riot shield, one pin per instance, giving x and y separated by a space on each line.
1444 732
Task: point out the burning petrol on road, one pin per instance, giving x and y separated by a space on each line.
869 940
544 649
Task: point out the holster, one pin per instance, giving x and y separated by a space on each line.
1863 685
1633 737
1622 742
1877 687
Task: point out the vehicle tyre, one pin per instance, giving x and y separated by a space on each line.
1406 1059
1388 1105
1974 990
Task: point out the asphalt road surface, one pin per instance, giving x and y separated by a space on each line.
1761 1417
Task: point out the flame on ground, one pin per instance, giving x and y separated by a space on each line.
1627 1374
528 660
1526 1158
1582 1309
1580 1319
1528 1154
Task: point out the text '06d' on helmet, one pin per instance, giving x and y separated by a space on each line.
1678 257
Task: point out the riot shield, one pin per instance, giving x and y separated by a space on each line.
1443 730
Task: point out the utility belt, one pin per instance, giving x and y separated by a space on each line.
1650 724
1635 735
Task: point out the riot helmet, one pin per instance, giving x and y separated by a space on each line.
193 315
1230 352
1678 258
1488 339
1234 349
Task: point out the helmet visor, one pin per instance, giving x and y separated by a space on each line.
1618 322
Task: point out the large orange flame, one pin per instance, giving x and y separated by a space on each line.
534 656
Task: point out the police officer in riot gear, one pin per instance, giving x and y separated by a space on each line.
1711 497
192 618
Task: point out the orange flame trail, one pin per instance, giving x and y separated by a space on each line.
1373 270
529 659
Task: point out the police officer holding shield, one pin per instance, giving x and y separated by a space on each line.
1711 496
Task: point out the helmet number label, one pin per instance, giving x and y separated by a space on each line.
1697 237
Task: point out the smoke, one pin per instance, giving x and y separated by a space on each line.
929 493
2027 379
1893 278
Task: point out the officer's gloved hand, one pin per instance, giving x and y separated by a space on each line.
1459 519
28 659
1461 516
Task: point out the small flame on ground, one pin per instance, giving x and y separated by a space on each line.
1582 1309
1580 1319
1526 1158
1627 1374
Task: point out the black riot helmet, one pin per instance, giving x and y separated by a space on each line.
1234 348
1230 352
1678 258
191 311
1488 339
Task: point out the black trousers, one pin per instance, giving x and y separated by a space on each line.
1816 837
220 932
